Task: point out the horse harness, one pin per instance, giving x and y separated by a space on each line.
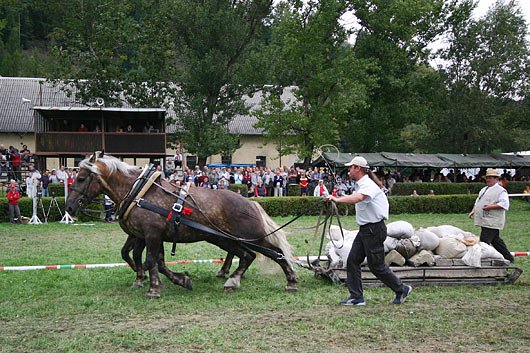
175 215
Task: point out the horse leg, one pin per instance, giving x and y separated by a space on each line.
178 278
245 260
153 248
288 270
138 249
226 265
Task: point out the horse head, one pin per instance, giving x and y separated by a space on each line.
86 186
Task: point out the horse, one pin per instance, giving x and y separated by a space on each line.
221 217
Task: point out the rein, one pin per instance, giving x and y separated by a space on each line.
331 211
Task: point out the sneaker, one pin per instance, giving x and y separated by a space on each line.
401 297
353 301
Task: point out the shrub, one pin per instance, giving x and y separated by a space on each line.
292 206
402 189
294 190
56 189
241 188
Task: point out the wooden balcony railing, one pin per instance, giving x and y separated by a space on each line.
82 143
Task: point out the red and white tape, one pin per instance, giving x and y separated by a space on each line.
123 264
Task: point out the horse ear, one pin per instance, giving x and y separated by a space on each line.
92 158
102 154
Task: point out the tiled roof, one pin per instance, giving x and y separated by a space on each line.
19 95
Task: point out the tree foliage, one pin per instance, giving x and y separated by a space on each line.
376 92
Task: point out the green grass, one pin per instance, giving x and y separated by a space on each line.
96 310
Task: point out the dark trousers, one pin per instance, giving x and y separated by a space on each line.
369 243
491 236
14 210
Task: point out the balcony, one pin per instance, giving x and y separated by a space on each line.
84 143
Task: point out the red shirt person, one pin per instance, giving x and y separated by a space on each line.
13 195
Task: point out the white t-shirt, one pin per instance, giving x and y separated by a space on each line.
374 207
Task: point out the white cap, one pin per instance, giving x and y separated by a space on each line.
358 161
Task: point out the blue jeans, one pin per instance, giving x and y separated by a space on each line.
44 192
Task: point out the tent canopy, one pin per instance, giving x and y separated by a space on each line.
440 160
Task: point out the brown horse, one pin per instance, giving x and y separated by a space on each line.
238 224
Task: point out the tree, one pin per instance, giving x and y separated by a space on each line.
213 40
487 74
394 36
315 66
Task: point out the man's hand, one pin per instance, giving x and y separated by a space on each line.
471 214
331 198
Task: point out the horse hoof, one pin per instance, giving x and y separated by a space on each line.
153 295
221 274
229 289
188 284
290 288
137 284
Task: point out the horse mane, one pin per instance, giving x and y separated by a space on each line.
112 165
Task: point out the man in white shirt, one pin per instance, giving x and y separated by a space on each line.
371 211
489 213
62 176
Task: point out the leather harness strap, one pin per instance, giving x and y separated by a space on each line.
142 192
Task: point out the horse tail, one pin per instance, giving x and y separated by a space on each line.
275 237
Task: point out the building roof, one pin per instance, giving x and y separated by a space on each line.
19 96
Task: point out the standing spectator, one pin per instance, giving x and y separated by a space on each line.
53 177
30 186
304 182
3 163
489 213
277 181
62 176
108 204
44 182
238 177
178 159
13 195
26 155
16 161
260 190
320 190
170 167
371 211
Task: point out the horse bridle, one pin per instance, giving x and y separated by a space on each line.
84 195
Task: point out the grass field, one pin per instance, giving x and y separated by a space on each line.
96 310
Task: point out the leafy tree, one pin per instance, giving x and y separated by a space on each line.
486 75
394 36
213 40
315 67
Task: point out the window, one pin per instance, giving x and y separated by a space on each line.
261 161
191 161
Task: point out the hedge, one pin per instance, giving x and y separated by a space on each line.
26 209
285 206
290 206
402 189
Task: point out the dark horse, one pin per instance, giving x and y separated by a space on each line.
239 224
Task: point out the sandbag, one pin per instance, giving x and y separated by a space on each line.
428 240
473 255
489 252
445 230
390 244
450 248
406 248
399 230
335 235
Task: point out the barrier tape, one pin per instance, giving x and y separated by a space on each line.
111 265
